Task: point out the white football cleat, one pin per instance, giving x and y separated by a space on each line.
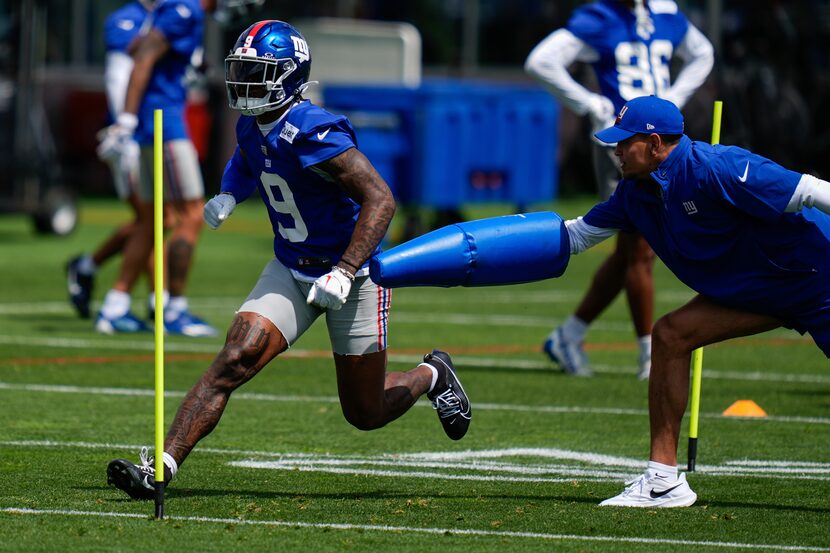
657 491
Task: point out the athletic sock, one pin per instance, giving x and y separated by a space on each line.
175 306
669 472
434 376
116 304
165 299
171 465
645 346
574 329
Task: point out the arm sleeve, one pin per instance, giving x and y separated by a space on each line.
117 70
810 192
698 57
237 179
582 236
549 62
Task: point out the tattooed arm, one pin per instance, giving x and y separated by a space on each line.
359 180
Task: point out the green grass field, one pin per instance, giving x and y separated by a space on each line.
284 471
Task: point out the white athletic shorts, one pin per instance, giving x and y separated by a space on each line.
358 328
125 182
182 174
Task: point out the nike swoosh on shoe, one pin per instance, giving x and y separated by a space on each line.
655 495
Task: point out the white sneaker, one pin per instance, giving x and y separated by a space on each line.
657 491
568 355
645 366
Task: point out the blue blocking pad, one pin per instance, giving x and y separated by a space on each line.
487 252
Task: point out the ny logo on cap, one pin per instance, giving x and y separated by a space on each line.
620 116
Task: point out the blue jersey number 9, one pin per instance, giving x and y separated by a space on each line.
286 206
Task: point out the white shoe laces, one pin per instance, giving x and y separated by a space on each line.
146 461
634 486
447 404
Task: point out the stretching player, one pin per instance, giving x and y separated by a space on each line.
329 210
161 56
739 229
630 45
120 29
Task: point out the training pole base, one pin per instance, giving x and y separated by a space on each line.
159 500
692 455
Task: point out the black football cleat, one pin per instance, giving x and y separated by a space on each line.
79 286
448 396
137 481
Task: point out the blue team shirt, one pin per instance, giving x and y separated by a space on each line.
715 216
122 26
181 22
629 66
312 218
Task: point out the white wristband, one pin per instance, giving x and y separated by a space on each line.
128 121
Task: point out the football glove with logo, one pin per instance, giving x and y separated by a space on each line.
218 209
116 144
331 290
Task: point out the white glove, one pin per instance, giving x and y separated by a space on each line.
331 290
218 209
601 113
117 146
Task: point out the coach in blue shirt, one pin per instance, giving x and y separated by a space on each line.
749 236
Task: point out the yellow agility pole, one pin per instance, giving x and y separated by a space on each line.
158 245
697 355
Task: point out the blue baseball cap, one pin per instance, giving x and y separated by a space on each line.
644 115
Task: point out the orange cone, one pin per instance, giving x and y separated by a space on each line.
744 408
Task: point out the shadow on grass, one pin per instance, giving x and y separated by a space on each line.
184 493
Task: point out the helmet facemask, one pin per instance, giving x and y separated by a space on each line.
254 84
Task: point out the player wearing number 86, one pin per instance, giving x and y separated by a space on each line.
630 45
329 210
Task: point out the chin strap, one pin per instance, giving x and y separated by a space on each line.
303 87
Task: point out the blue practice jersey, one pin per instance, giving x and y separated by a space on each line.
122 26
628 65
715 216
312 218
181 22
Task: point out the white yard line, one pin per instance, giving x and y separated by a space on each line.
248 396
494 465
444 532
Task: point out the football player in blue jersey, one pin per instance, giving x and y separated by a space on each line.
121 27
749 236
630 45
161 55
329 210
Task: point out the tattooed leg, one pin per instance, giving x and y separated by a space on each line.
252 342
